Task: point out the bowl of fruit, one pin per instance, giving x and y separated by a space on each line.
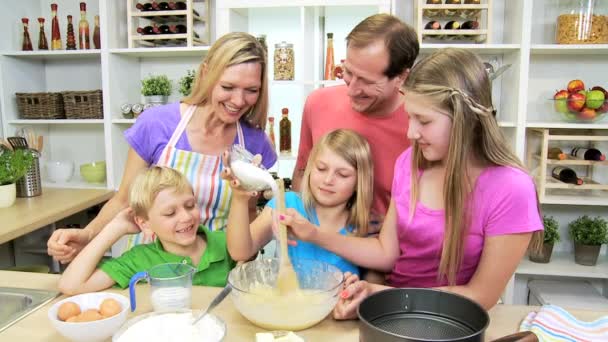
575 104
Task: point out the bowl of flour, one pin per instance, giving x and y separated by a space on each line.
171 326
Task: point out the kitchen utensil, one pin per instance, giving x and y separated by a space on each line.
494 75
17 142
255 296
171 286
30 185
287 280
218 299
417 314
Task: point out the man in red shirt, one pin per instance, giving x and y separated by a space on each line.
380 52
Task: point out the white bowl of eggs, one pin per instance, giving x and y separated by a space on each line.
89 316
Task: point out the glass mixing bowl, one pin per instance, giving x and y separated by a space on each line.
254 294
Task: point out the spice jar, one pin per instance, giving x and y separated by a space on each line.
284 63
581 22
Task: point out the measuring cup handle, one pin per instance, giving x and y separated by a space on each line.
134 280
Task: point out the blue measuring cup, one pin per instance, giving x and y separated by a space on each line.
170 286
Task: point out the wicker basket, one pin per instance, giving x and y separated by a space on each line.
83 104
40 105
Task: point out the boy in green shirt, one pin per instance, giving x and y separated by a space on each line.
161 203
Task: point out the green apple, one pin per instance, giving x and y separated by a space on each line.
594 99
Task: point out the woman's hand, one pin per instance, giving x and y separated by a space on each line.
299 226
355 291
64 244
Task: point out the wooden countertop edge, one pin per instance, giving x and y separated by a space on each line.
28 228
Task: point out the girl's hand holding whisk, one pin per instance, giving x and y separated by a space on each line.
299 226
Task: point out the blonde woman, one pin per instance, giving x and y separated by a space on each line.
463 209
336 198
228 105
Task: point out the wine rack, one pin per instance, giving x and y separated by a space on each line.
195 18
537 160
479 12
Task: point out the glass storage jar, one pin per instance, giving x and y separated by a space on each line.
284 63
581 22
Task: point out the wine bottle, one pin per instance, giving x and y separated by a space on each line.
70 43
587 154
180 6
144 7
180 29
470 25
432 25
161 6
271 131
556 153
146 30
162 29
452 25
566 175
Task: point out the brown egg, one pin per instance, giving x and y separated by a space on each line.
67 310
89 315
110 307
72 319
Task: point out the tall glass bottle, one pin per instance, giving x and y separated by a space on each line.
271 131
71 41
96 34
55 33
42 42
329 58
83 28
285 133
27 42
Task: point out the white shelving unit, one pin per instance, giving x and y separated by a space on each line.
521 34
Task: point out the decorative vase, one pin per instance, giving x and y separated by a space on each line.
157 99
586 254
543 256
8 194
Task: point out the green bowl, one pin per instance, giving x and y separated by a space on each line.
94 172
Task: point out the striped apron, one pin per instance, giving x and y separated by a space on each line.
204 174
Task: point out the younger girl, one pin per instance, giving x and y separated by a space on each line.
336 198
463 208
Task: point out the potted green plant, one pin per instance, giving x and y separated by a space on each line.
13 166
185 83
588 235
156 89
551 236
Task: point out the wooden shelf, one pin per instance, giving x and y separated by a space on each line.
55 54
563 265
573 161
461 12
170 52
567 125
480 49
57 122
569 49
588 184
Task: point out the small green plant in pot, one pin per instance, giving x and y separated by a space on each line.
156 89
13 166
588 235
185 83
551 236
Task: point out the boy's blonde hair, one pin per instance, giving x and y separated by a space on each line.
456 80
232 49
355 150
152 181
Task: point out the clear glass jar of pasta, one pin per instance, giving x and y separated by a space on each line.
284 62
582 22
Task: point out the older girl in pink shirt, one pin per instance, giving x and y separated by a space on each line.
463 209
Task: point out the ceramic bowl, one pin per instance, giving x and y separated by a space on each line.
99 330
94 172
59 171
254 294
172 326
